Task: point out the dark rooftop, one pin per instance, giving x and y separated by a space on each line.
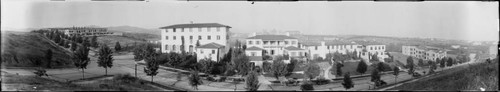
254 48
195 25
271 37
211 45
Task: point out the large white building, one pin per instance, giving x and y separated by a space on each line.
272 45
210 36
424 52
323 48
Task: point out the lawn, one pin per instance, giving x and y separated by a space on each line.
19 47
473 77
32 83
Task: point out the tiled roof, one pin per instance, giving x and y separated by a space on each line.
255 58
317 43
211 45
254 48
195 25
293 48
271 37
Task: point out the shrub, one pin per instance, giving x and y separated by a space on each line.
306 85
321 81
127 78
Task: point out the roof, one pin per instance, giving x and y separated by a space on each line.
195 25
317 43
255 58
254 48
293 48
271 37
211 45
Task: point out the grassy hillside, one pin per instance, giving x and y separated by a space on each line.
473 77
19 47
124 41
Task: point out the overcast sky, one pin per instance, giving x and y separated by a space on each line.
451 20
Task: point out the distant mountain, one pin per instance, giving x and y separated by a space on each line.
131 29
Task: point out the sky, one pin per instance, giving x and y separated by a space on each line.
459 20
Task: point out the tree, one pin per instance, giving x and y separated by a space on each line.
375 77
395 73
355 54
138 53
117 46
73 46
242 64
432 68
278 68
86 43
291 65
183 46
206 65
252 81
450 62
195 80
105 58
362 67
380 66
374 57
152 65
347 81
61 42
266 66
312 70
66 44
81 59
339 66
443 62
94 42
410 65
198 43
420 62
306 86
48 58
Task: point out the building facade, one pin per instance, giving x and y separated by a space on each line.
424 52
82 31
192 36
212 51
273 45
364 51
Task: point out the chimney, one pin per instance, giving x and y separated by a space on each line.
322 43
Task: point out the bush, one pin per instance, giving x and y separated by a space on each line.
321 81
127 78
306 85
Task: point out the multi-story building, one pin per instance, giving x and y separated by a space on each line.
201 36
82 31
273 45
424 52
363 50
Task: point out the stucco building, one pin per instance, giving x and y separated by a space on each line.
196 37
424 52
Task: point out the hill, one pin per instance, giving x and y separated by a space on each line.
136 32
19 47
467 77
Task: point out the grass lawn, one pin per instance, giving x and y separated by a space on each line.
26 46
474 77
32 83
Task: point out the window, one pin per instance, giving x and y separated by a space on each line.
174 38
166 47
257 42
208 37
199 37
173 29
286 42
293 42
327 47
213 51
300 53
182 30
166 37
371 48
173 47
218 37
190 37
315 47
166 31
253 53
249 42
199 29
